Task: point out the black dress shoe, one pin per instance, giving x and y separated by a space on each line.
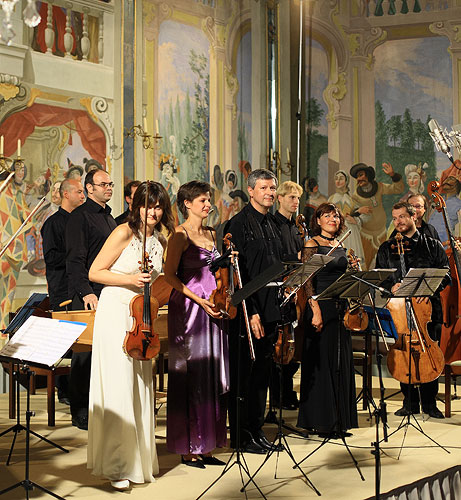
252 446
207 460
81 422
290 406
434 413
264 443
64 400
404 412
197 463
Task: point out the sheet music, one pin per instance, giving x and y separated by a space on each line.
42 340
421 282
303 272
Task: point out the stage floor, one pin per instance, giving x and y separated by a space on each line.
330 469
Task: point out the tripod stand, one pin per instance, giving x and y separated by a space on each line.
417 283
18 427
343 288
26 483
279 443
237 457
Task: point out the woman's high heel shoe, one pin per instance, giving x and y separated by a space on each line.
193 463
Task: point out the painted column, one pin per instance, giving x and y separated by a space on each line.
450 29
258 84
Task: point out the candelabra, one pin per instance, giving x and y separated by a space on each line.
274 164
137 130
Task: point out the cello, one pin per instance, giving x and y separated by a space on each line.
450 340
141 342
414 358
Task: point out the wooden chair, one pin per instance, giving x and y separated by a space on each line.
450 369
50 374
363 358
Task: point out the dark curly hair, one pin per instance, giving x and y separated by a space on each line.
326 208
156 194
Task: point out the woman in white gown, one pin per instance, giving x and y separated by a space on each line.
121 438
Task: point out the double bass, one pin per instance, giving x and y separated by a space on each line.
414 358
450 296
142 342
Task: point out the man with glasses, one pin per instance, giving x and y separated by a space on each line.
88 227
419 203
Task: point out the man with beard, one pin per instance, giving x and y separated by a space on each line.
424 252
87 229
257 238
368 200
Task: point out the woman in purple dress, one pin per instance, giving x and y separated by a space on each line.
198 372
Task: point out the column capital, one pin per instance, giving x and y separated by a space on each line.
449 29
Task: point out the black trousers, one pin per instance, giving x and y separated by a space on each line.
253 378
79 380
426 396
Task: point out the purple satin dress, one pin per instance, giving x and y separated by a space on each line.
198 362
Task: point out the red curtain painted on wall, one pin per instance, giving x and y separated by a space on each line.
22 124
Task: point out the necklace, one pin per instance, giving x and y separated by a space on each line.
327 237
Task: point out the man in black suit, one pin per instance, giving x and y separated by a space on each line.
88 227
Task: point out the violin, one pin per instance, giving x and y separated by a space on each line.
141 342
414 358
284 347
222 295
355 318
450 296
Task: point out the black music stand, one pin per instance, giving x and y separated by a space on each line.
24 350
295 280
26 483
275 271
351 285
422 282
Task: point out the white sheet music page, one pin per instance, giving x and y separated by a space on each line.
42 340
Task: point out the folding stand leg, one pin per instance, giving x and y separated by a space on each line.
26 483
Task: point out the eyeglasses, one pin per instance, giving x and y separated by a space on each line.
417 206
104 185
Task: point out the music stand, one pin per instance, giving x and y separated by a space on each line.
26 348
351 285
296 280
271 274
418 282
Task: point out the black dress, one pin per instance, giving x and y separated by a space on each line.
322 385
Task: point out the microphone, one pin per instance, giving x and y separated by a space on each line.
442 142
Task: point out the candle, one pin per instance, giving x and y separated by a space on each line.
19 148
288 155
145 125
156 128
1 145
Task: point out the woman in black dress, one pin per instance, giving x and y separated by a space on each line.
327 403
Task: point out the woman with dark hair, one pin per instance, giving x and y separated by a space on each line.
327 400
198 370
121 438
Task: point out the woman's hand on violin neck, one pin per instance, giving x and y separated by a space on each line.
234 257
208 307
140 279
